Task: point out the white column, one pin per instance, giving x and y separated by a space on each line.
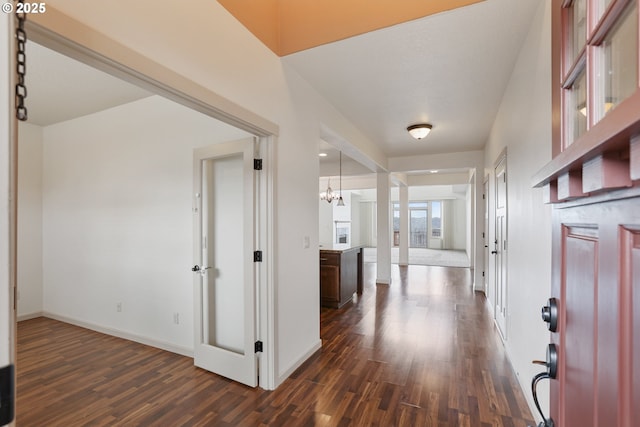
404 225
384 230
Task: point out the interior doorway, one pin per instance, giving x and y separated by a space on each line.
152 234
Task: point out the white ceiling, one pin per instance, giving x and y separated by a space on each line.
60 88
449 69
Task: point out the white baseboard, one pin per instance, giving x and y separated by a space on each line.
184 351
317 346
29 316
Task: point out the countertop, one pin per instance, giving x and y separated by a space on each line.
339 247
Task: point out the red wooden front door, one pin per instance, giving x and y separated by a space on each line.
593 181
597 284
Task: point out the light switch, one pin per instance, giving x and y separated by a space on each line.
305 242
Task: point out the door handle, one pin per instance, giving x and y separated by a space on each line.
551 364
199 269
494 252
550 314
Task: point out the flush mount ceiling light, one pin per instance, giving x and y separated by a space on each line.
420 130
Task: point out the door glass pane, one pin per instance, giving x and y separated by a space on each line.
418 228
620 65
601 7
436 220
576 108
224 252
396 224
578 19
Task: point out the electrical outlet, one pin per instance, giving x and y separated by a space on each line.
176 318
119 307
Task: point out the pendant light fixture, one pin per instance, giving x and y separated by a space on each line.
340 201
328 193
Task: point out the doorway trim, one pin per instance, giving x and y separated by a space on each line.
65 35
501 247
8 215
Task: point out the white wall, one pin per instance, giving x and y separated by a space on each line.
29 220
367 221
325 222
470 215
118 221
459 217
523 126
355 219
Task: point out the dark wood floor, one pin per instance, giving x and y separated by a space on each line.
421 352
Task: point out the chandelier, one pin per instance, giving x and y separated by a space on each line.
328 194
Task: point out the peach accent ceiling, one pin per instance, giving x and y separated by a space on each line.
288 26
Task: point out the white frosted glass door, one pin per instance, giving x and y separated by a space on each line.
225 285
222 306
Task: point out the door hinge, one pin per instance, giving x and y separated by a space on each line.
257 256
7 396
483 274
483 234
258 346
483 197
257 164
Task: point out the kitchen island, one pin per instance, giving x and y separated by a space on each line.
340 274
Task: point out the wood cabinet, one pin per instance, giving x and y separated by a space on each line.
340 276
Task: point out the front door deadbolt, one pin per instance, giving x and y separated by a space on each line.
550 314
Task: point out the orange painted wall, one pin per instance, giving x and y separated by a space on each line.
261 17
288 26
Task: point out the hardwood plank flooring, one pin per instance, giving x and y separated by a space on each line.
420 352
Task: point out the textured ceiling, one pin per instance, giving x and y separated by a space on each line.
450 69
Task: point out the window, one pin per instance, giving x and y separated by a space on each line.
619 67
396 224
418 225
421 223
600 61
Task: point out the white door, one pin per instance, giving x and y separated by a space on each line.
225 271
500 246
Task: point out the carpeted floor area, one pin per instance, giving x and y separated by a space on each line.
420 256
